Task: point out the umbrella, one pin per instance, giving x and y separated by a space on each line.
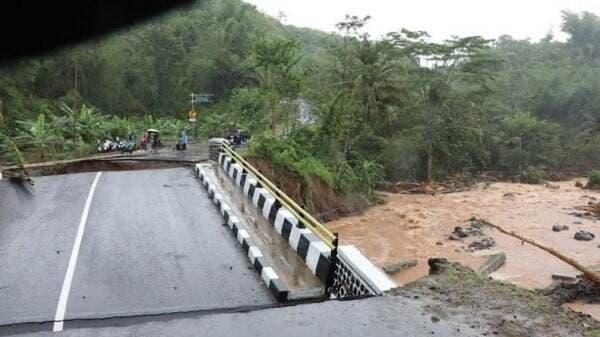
153 130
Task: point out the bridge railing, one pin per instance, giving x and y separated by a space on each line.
344 270
328 237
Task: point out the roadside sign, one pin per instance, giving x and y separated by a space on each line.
192 120
192 114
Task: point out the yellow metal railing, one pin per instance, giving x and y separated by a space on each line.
308 220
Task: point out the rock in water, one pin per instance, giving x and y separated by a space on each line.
437 266
485 243
460 232
560 228
584 236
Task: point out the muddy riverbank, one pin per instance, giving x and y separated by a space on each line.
494 308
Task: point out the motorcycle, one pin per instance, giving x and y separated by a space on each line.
113 146
125 146
107 146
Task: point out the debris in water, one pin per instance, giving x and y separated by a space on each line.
493 263
400 266
591 209
474 229
485 243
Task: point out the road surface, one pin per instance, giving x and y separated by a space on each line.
154 260
152 243
380 316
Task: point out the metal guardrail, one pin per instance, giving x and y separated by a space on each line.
328 237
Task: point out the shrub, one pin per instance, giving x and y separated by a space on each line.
288 155
532 175
594 179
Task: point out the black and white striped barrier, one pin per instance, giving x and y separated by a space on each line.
353 275
269 276
312 250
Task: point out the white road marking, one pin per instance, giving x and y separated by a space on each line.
66 288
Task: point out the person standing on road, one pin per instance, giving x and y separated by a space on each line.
154 142
183 141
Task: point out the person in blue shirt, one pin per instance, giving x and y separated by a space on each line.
183 141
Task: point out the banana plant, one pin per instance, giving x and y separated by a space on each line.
11 149
40 137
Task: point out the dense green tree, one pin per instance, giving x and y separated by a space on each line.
274 61
347 109
450 83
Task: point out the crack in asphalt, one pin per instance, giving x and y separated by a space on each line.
161 315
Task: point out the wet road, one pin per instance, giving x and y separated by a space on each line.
152 243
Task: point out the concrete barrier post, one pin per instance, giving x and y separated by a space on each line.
215 147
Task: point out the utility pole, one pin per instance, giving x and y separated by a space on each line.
193 96
193 114
76 69
201 98
75 99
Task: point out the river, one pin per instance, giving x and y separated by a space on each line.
410 226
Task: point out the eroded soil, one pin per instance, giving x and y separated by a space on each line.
495 308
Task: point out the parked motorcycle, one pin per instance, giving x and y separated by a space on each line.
116 145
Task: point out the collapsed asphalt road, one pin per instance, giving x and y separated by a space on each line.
152 243
154 260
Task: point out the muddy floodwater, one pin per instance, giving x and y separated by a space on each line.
410 226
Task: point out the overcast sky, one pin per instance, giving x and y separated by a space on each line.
441 18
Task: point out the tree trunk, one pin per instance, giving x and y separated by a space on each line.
587 272
429 165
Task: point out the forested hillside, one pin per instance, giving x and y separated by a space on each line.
401 107
150 68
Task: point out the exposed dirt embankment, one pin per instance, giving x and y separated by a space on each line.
419 226
318 199
494 308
